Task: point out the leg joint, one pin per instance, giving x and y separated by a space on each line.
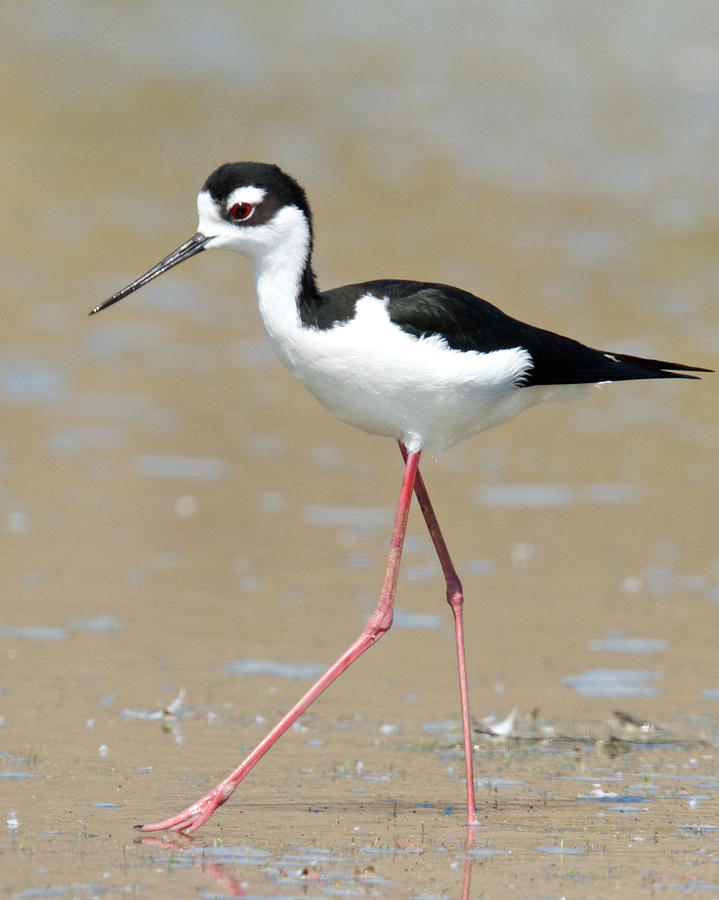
455 594
379 624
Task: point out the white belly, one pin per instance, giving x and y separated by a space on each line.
376 377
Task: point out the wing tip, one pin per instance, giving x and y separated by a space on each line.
657 368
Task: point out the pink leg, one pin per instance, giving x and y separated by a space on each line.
455 598
198 813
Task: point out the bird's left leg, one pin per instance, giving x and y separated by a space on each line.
455 598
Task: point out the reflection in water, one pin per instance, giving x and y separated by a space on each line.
100 623
157 465
315 871
614 683
26 380
362 518
548 495
295 671
73 439
615 641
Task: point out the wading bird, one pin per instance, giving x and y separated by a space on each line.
426 364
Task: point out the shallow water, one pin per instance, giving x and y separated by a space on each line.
187 536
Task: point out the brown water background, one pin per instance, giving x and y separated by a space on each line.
177 514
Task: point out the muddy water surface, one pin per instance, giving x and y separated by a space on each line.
187 537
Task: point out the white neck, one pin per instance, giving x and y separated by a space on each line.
279 263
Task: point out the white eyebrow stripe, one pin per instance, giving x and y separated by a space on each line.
248 193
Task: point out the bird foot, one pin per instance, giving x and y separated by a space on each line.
194 816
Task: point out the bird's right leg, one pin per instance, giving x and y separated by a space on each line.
198 813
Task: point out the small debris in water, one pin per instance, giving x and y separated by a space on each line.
612 747
175 705
503 728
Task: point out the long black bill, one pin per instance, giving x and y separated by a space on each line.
184 251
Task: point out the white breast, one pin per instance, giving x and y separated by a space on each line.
371 374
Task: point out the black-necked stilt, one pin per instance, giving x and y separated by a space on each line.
426 364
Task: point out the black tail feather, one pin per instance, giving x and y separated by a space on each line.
651 368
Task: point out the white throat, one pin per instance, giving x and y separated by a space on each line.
278 250
278 261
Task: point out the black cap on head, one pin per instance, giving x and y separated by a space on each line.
284 190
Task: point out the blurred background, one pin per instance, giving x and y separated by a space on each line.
171 501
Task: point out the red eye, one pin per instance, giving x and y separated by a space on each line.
240 211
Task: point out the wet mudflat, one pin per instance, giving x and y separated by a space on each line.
559 817
187 538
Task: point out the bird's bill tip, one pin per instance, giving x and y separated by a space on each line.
194 245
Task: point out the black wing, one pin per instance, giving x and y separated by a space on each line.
468 323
